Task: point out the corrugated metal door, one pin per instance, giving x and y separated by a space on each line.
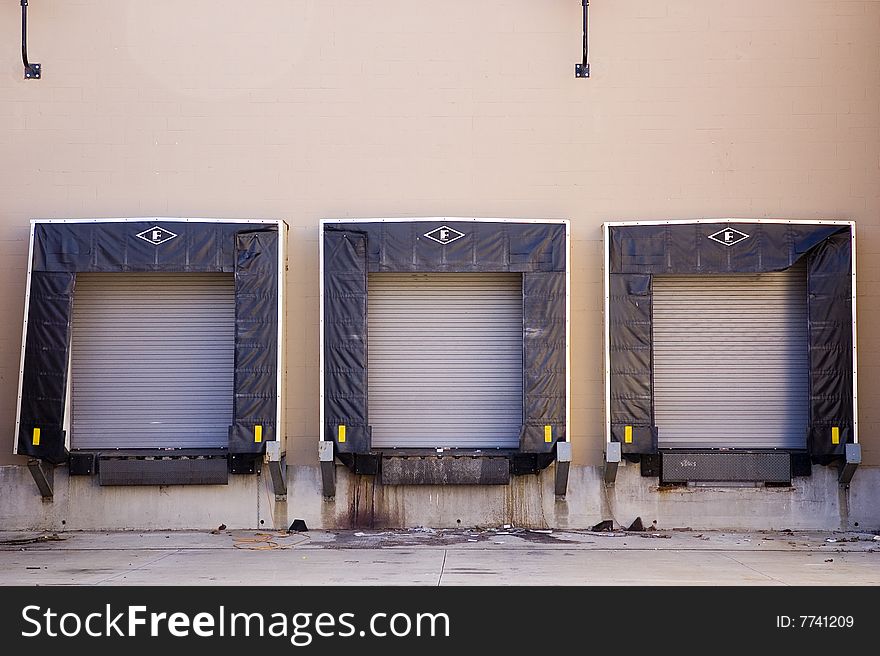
152 360
731 365
445 360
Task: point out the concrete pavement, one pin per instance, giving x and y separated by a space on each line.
500 556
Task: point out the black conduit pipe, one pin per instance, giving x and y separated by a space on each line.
31 71
583 69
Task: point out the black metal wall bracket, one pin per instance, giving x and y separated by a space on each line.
44 477
563 464
328 468
275 461
612 461
851 461
32 71
583 69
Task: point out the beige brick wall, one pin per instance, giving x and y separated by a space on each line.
305 109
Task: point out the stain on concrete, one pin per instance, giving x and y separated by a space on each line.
389 508
361 506
428 537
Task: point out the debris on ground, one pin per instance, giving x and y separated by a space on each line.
829 560
219 529
298 526
830 540
261 542
636 525
451 536
604 525
877 537
46 537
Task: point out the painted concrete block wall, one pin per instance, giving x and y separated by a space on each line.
310 109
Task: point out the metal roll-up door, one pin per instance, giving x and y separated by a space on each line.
445 360
152 360
731 366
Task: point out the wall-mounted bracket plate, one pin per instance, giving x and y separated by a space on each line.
33 72
582 70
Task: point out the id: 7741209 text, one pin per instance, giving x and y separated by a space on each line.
815 621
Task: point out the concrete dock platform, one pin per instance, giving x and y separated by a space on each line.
430 557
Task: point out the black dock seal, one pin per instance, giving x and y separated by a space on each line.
62 250
353 250
638 252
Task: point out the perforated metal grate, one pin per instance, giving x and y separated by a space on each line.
708 466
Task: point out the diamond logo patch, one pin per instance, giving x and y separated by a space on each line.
728 236
156 235
444 235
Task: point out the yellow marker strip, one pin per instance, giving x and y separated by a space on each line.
340 434
628 434
36 437
548 433
258 433
835 435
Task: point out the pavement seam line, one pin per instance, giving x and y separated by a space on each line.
442 567
134 569
461 546
772 578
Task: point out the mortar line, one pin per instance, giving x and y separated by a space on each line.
772 578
